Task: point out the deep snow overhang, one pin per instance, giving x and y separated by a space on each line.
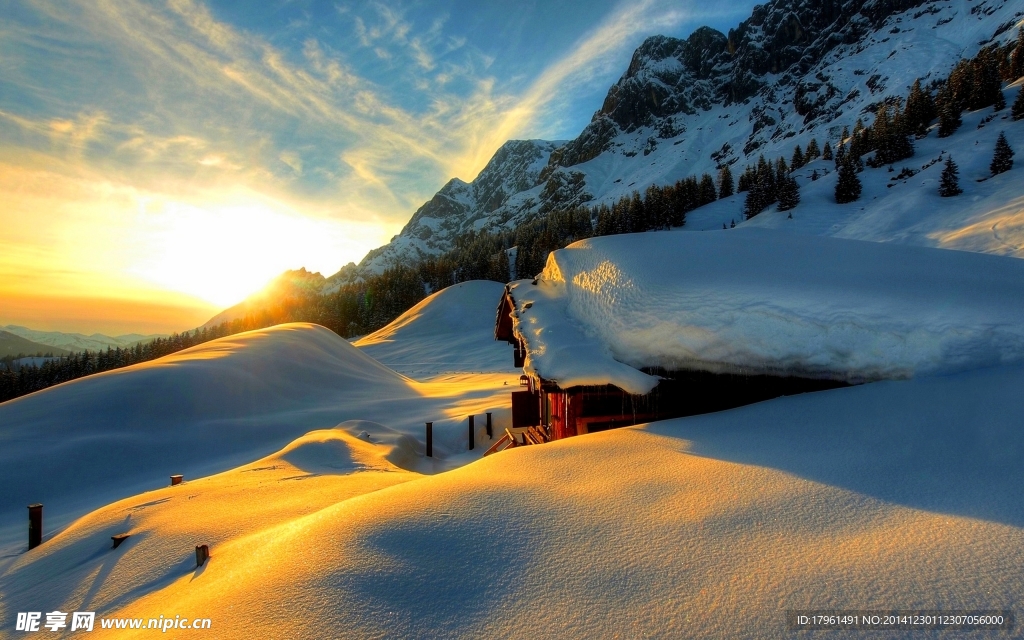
763 302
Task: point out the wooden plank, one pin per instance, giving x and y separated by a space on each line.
538 435
496 447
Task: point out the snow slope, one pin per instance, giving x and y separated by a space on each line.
756 300
449 331
895 494
83 444
987 218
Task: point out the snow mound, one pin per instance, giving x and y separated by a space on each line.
215 406
753 300
900 492
449 331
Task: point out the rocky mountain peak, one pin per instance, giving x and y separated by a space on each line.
792 71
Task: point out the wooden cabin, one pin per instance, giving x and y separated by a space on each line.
577 410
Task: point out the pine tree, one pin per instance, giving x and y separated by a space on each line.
892 143
860 141
781 171
812 150
1000 103
848 185
959 85
1002 159
798 158
949 113
725 186
789 194
920 109
1017 112
826 152
840 155
1017 60
762 191
949 183
985 84
708 192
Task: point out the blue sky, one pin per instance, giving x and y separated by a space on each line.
178 154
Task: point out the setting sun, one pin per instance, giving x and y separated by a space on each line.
224 252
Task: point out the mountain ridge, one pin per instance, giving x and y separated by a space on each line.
793 70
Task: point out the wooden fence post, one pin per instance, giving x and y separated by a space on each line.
490 431
35 525
430 439
472 436
202 554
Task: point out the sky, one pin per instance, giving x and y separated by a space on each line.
162 160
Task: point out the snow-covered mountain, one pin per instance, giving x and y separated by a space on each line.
460 206
79 342
793 71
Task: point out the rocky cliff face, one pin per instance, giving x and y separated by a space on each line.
460 206
794 70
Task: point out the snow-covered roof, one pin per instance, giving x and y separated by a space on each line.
754 300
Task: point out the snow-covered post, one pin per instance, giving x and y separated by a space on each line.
430 439
35 525
490 430
176 479
472 428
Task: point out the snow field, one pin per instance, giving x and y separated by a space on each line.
897 494
84 444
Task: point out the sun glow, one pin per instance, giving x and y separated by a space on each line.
225 252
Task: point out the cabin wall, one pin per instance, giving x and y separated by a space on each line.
581 410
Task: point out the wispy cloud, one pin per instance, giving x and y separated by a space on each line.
170 104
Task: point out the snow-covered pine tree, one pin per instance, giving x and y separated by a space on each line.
848 185
1017 112
949 183
1000 102
725 186
1002 159
826 153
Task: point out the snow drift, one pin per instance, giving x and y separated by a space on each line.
751 300
449 331
901 493
213 407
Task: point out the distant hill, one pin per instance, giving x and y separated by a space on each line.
71 342
14 345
